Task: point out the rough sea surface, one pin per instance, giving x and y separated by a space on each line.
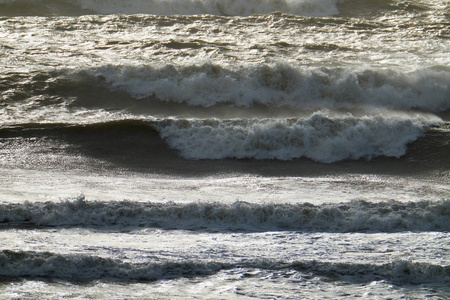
222 149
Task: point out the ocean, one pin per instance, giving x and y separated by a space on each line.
224 149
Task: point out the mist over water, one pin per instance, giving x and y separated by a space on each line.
226 149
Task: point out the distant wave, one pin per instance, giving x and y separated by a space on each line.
317 8
353 216
214 7
169 7
73 267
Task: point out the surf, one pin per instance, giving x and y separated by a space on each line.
354 216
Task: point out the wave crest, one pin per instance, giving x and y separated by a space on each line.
344 217
319 137
79 267
281 84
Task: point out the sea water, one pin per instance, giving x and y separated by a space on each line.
293 149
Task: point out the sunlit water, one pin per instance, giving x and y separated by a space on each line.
223 149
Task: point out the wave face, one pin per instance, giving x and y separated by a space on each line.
354 216
321 137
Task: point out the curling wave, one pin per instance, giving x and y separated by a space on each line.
319 137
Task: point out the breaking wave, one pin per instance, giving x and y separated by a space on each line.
320 138
73 267
353 216
207 84
280 85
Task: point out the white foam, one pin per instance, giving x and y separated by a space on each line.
280 84
347 217
320 137
78 267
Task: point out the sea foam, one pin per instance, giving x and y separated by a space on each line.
320 137
280 84
81 267
352 216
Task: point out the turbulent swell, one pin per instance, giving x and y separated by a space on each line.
281 85
323 137
344 217
305 142
320 138
242 86
19 264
